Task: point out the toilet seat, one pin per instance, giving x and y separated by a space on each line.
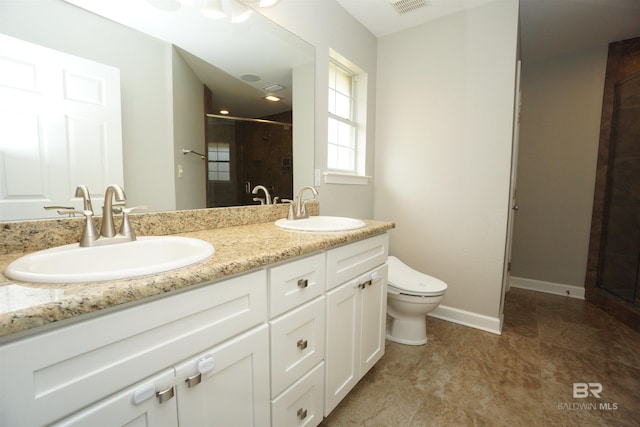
405 280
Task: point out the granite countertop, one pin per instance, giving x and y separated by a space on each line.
27 306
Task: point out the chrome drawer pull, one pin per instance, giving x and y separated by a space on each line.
302 413
302 344
165 395
194 380
303 283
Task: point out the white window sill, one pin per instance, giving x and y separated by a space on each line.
345 178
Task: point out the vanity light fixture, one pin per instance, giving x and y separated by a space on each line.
168 5
272 98
212 9
262 3
240 12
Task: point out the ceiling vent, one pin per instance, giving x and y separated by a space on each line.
406 6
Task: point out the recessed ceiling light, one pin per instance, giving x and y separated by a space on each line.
272 98
224 111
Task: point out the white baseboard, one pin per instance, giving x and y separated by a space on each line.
468 318
570 291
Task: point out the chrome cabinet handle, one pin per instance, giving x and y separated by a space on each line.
166 395
205 364
364 284
194 380
303 283
302 344
302 413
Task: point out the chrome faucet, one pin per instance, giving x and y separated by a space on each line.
266 194
107 235
108 229
297 207
83 191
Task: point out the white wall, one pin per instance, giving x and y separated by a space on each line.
559 136
188 133
443 149
326 25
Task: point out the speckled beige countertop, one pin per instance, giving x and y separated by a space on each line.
29 307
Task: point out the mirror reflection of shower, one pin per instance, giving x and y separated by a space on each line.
242 153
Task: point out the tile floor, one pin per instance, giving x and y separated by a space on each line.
524 377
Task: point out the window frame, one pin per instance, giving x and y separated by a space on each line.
357 122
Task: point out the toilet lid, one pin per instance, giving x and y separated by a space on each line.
407 280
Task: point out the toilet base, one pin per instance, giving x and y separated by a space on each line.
412 331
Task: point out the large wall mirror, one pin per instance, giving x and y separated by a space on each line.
177 70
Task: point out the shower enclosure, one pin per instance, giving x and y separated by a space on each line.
613 271
243 153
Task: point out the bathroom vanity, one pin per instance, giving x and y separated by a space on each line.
274 329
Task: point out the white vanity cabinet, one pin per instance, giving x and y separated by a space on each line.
280 347
87 364
297 307
356 314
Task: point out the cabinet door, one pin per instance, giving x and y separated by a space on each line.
373 318
136 406
343 328
227 385
356 321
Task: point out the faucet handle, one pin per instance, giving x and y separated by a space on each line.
60 208
89 233
125 228
135 208
292 213
63 210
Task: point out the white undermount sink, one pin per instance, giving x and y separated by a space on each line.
74 264
321 223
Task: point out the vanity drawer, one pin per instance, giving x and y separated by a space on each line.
55 373
295 283
297 343
349 261
301 404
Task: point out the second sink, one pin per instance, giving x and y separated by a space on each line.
321 223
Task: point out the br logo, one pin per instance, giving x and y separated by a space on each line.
583 390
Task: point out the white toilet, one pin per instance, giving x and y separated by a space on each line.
410 296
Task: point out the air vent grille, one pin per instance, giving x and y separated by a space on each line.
406 6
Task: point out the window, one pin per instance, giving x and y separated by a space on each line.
347 122
341 149
219 162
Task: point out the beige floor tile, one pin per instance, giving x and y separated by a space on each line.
524 377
